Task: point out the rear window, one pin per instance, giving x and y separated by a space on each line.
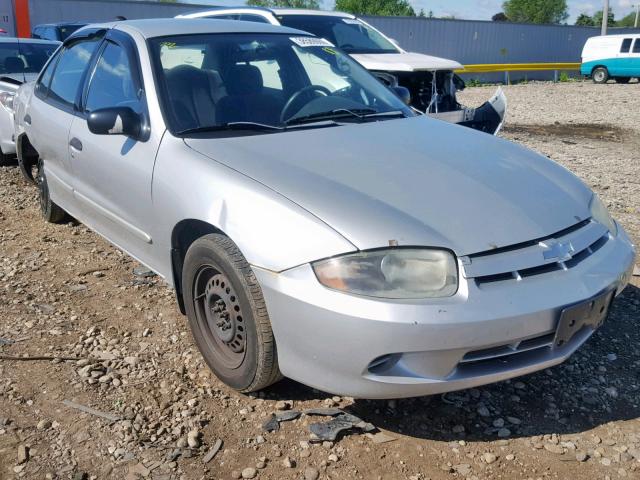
636 46
626 45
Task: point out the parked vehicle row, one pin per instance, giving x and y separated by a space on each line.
312 224
431 81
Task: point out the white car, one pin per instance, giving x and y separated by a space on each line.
431 81
21 59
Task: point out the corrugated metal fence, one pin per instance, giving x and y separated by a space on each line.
473 42
467 41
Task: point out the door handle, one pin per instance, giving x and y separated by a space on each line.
27 119
76 144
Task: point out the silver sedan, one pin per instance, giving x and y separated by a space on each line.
311 224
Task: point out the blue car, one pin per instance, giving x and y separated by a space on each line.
611 56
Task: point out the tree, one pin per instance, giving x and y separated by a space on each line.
312 4
500 17
584 20
536 11
627 21
597 19
400 8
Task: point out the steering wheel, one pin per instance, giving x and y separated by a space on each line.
311 88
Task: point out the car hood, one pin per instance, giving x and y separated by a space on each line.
414 181
404 62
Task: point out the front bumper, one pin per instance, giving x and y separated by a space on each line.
368 348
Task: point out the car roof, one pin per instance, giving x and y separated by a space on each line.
161 27
274 11
59 24
28 40
617 36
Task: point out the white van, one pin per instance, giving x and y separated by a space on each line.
612 56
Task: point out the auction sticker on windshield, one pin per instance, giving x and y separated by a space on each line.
311 42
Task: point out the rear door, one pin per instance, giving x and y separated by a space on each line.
621 67
112 173
634 62
51 111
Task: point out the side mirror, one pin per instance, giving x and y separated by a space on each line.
115 121
402 93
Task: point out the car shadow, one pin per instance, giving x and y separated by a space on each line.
597 385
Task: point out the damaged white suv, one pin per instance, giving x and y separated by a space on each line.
312 224
431 81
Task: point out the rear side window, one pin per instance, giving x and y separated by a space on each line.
70 69
626 45
636 46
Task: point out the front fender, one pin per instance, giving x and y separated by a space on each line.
272 232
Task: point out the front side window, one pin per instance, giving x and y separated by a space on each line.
24 57
349 34
274 80
636 46
112 84
626 45
69 71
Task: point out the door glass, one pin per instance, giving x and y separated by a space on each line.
68 74
112 84
626 45
636 46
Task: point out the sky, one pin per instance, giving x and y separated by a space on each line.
480 9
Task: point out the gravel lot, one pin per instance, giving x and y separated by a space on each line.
66 294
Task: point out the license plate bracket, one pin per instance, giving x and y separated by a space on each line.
590 313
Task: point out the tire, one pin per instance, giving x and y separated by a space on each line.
51 212
622 80
600 75
7 160
227 314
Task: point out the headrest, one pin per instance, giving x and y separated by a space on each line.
243 80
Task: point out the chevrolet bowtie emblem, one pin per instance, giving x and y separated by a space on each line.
555 250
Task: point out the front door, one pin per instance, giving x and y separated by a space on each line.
113 173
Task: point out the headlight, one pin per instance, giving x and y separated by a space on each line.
6 99
601 215
394 273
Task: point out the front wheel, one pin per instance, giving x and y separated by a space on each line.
51 212
600 75
227 314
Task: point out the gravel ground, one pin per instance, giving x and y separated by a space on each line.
120 346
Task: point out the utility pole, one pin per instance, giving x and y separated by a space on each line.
635 24
605 17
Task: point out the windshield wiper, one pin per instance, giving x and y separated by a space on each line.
230 126
359 113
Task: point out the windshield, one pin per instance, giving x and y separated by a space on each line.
270 81
349 34
24 57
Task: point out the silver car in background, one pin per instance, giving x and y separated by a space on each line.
21 59
312 224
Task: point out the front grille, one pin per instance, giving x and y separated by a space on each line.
562 251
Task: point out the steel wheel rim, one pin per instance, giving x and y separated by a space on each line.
599 75
219 317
